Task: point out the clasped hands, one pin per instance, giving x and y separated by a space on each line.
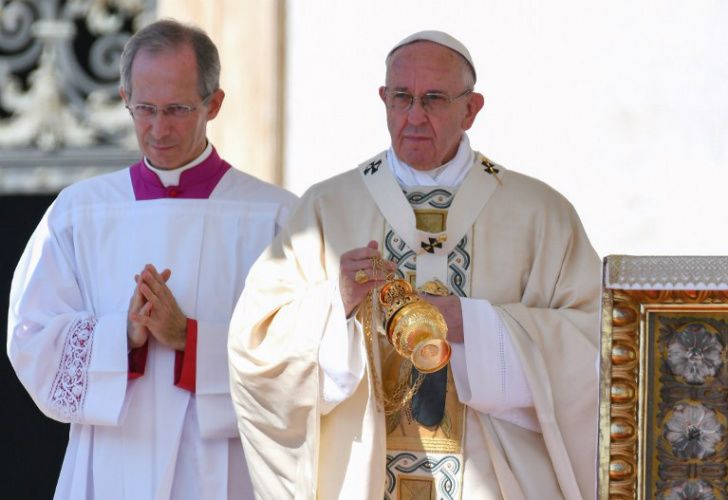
154 311
358 275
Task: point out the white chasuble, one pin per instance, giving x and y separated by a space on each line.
514 242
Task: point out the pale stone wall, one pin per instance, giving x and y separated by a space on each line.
249 35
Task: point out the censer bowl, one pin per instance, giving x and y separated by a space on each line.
418 331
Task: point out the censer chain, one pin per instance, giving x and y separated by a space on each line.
403 393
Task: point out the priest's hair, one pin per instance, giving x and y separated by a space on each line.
168 34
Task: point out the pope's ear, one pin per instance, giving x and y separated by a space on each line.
382 90
476 101
122 93
215 103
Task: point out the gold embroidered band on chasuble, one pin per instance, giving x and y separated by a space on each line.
425 462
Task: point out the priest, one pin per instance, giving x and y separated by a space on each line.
327 407
120 304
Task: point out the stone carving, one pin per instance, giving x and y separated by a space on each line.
59 79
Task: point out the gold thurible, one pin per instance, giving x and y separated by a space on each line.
415 328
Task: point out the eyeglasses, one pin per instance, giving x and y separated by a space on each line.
432 102
147 111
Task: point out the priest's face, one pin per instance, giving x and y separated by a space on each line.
170 117
426 137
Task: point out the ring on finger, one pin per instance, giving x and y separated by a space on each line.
361 276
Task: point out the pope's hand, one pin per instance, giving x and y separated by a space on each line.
450 309
357 275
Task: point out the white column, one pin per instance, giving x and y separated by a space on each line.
250 35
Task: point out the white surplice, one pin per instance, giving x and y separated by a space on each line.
143 438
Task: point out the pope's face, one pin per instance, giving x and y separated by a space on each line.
162 79
426 140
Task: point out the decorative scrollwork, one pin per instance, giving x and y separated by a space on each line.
59 69
443 470
437 198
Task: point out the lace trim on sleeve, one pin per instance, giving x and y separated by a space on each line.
70 385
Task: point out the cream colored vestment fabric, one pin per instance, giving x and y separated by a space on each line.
531 260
